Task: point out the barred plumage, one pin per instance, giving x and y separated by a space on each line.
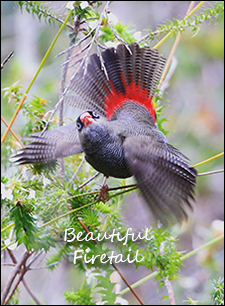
60 142
124 140
142 67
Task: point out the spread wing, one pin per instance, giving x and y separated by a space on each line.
60 142
165 179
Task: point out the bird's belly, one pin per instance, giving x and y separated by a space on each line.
109 164
103 149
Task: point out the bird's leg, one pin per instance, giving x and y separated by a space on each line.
103 194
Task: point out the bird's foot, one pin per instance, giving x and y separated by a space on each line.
103 194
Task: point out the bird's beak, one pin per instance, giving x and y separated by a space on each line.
86 119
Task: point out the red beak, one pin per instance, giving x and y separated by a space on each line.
86 119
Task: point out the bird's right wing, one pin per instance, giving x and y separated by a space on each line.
60 142
165 179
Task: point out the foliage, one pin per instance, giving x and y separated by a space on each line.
190 301
212 14
81 297
40 205
40 10
217 294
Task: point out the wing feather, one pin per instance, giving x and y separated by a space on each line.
60 142
164 177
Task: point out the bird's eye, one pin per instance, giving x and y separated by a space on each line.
95 115
79 126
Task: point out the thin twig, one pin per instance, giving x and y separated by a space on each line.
31 293
77 171
89 180
101 46
102 63
7 59
117 36
158 31
74 63
95 36
77 54
208 160
211 172
174 48
7 264
13 118
122 187
34 258
14 135
63 85
164 85
78 43
129 187
44 267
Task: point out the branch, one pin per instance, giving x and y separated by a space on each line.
23 280
15 271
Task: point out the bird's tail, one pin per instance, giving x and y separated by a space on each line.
117 76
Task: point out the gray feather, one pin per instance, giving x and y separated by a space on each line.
165 179
60 142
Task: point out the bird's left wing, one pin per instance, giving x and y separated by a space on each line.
165 179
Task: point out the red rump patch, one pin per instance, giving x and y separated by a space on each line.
134 93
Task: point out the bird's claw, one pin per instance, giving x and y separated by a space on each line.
103 194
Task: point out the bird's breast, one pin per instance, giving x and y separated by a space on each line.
103 149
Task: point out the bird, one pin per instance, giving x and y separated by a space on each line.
117 130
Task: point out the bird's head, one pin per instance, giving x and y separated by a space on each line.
85 119
92 131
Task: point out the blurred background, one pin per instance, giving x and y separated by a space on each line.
194 103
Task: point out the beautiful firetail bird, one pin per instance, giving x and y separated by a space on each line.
117 132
